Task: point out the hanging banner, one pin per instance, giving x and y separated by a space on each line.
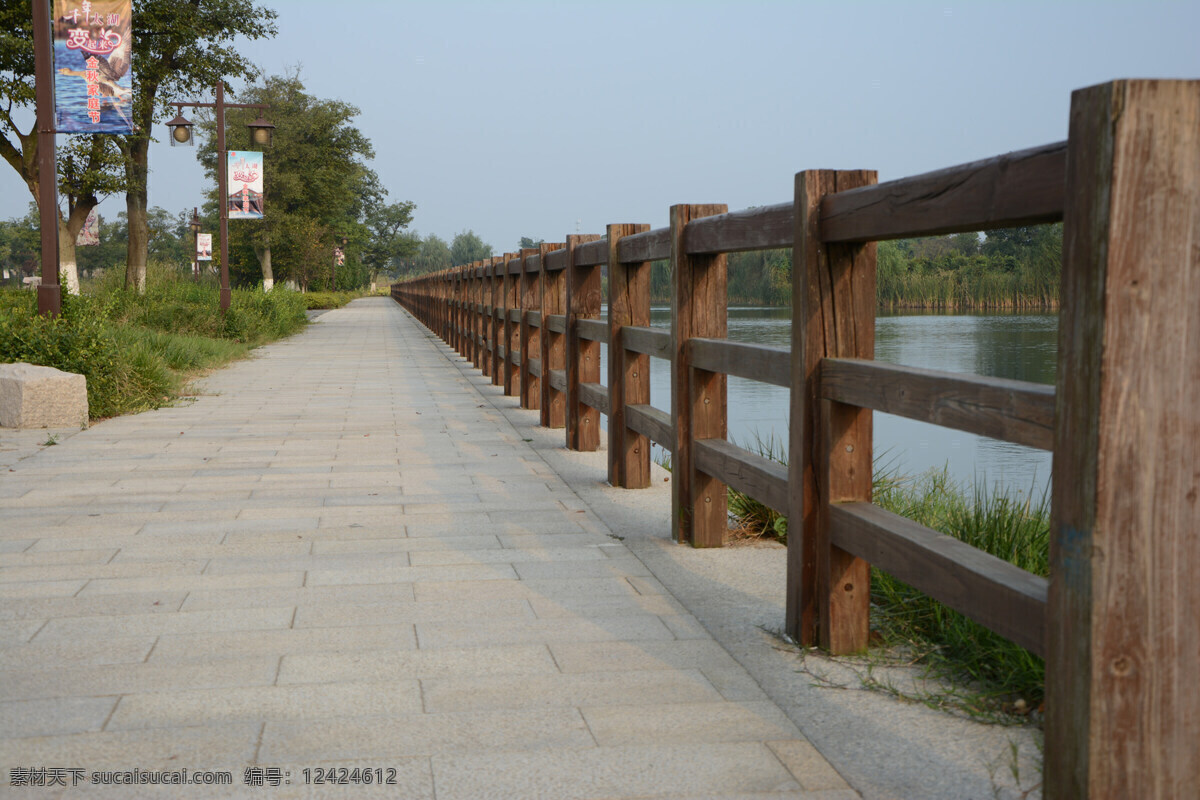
89 234
93 84
244 180
204 247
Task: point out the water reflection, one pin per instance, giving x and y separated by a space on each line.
1016 346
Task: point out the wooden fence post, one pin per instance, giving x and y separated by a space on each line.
583 356
476 294
554 345
833 315
698 309
514 275
531 344
1122 710
628 373
494 288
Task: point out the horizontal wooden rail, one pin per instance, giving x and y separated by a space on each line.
1022 188
514 315
766 228
761 478
989 590
650 421
556 323
1014 411
757 362
593 330
651 341
594 395
556 260
558 379
533 319
535 366
652 245
592 254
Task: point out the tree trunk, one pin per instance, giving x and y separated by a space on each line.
264 260
136 170
68 230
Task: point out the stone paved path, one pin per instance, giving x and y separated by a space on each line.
342 554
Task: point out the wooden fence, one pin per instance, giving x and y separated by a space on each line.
1117 621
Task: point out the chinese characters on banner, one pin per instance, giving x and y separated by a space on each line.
89 234
93 84
204 247
244 182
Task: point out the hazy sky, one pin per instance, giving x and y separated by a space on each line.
532 118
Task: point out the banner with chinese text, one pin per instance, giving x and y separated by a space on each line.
244 182
93 82
204 247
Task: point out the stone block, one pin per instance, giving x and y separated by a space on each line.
41 397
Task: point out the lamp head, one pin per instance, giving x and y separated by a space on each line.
181 132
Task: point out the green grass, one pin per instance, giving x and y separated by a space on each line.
137 351
330 300
1009 525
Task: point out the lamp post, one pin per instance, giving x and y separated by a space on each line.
49 293
194 225
181 135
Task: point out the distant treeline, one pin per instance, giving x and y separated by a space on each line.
1010 268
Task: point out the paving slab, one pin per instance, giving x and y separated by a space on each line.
345 552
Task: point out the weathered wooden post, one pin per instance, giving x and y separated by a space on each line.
1123 710
554 343
489 318
531 340
628 373
475 295
698 309
833 315
514 280
583 356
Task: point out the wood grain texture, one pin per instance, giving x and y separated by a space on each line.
761 478
594 395
1123 714
763 228
583 356
531 341
558 379
556 259
553 411
648 246
628 372
593 253
556 323
1021 188
698 308
654 342
1013 411
987 589
833 302
652 422
756 362
593 330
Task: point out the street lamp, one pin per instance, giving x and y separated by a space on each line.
194 225
181 134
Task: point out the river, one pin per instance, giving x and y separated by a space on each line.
1018 346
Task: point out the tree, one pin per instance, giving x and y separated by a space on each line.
526 243
316 183
180 49
432 255
468 247
388 241
88 166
